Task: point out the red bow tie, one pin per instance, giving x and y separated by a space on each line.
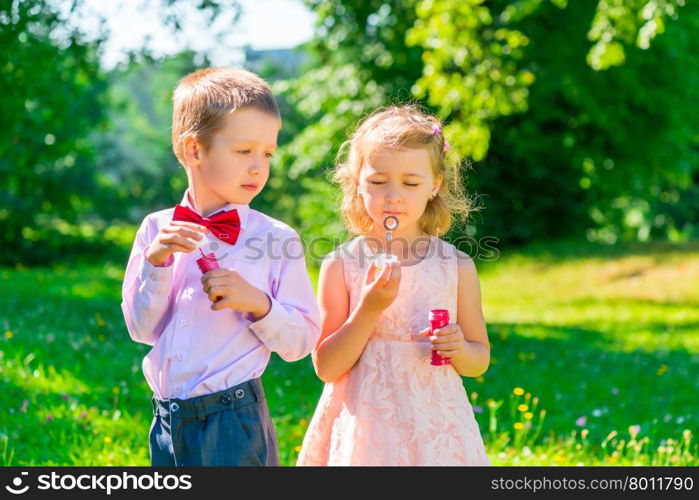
224 225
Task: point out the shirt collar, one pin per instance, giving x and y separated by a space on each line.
243 210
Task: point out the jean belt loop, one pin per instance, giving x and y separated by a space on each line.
256 388
199 406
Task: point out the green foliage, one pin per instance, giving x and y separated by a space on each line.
78 144
136 162
581 118
623 22
561 147
358 62
52 96
471 72
596 149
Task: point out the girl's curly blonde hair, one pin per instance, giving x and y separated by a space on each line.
396 127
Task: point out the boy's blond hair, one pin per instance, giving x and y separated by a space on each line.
202 100
398 127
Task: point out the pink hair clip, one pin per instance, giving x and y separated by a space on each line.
438 130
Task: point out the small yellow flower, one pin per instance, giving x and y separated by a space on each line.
480 380
518 391
297 448
107 440
9 334
661 371
584 433
303 422
559 458
529 415
100 320
523 407
519 426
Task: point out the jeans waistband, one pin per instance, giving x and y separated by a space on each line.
200 406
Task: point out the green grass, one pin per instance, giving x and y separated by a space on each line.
600 344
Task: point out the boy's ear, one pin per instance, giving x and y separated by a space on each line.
192 151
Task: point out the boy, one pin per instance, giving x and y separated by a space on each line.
212 335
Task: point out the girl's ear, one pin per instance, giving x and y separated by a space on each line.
358 187
436 185
192 150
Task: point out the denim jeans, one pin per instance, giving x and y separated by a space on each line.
229 427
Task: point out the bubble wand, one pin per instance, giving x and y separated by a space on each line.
386 258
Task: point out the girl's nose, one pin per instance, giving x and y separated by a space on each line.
392 195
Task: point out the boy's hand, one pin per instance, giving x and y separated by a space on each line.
175 236
448 340
235 292
381 287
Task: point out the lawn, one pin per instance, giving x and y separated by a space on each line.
595 360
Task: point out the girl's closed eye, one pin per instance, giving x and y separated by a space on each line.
411 185
376 183
243 151
269 155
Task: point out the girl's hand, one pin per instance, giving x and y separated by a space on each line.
235 292
380 288
448 341
175 236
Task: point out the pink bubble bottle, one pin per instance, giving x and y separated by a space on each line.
438 319
207 262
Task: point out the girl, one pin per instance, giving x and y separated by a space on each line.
384 403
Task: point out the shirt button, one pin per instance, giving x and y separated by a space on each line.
179 357
183 322
152 276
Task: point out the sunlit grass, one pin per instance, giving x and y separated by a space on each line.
595 360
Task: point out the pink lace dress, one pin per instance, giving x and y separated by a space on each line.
393 407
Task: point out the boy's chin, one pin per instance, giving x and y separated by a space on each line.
241 198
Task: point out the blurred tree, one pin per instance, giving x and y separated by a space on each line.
52 98
136 163
357 62
560 144
580 145
56 110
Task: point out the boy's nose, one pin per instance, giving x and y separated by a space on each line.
256 166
